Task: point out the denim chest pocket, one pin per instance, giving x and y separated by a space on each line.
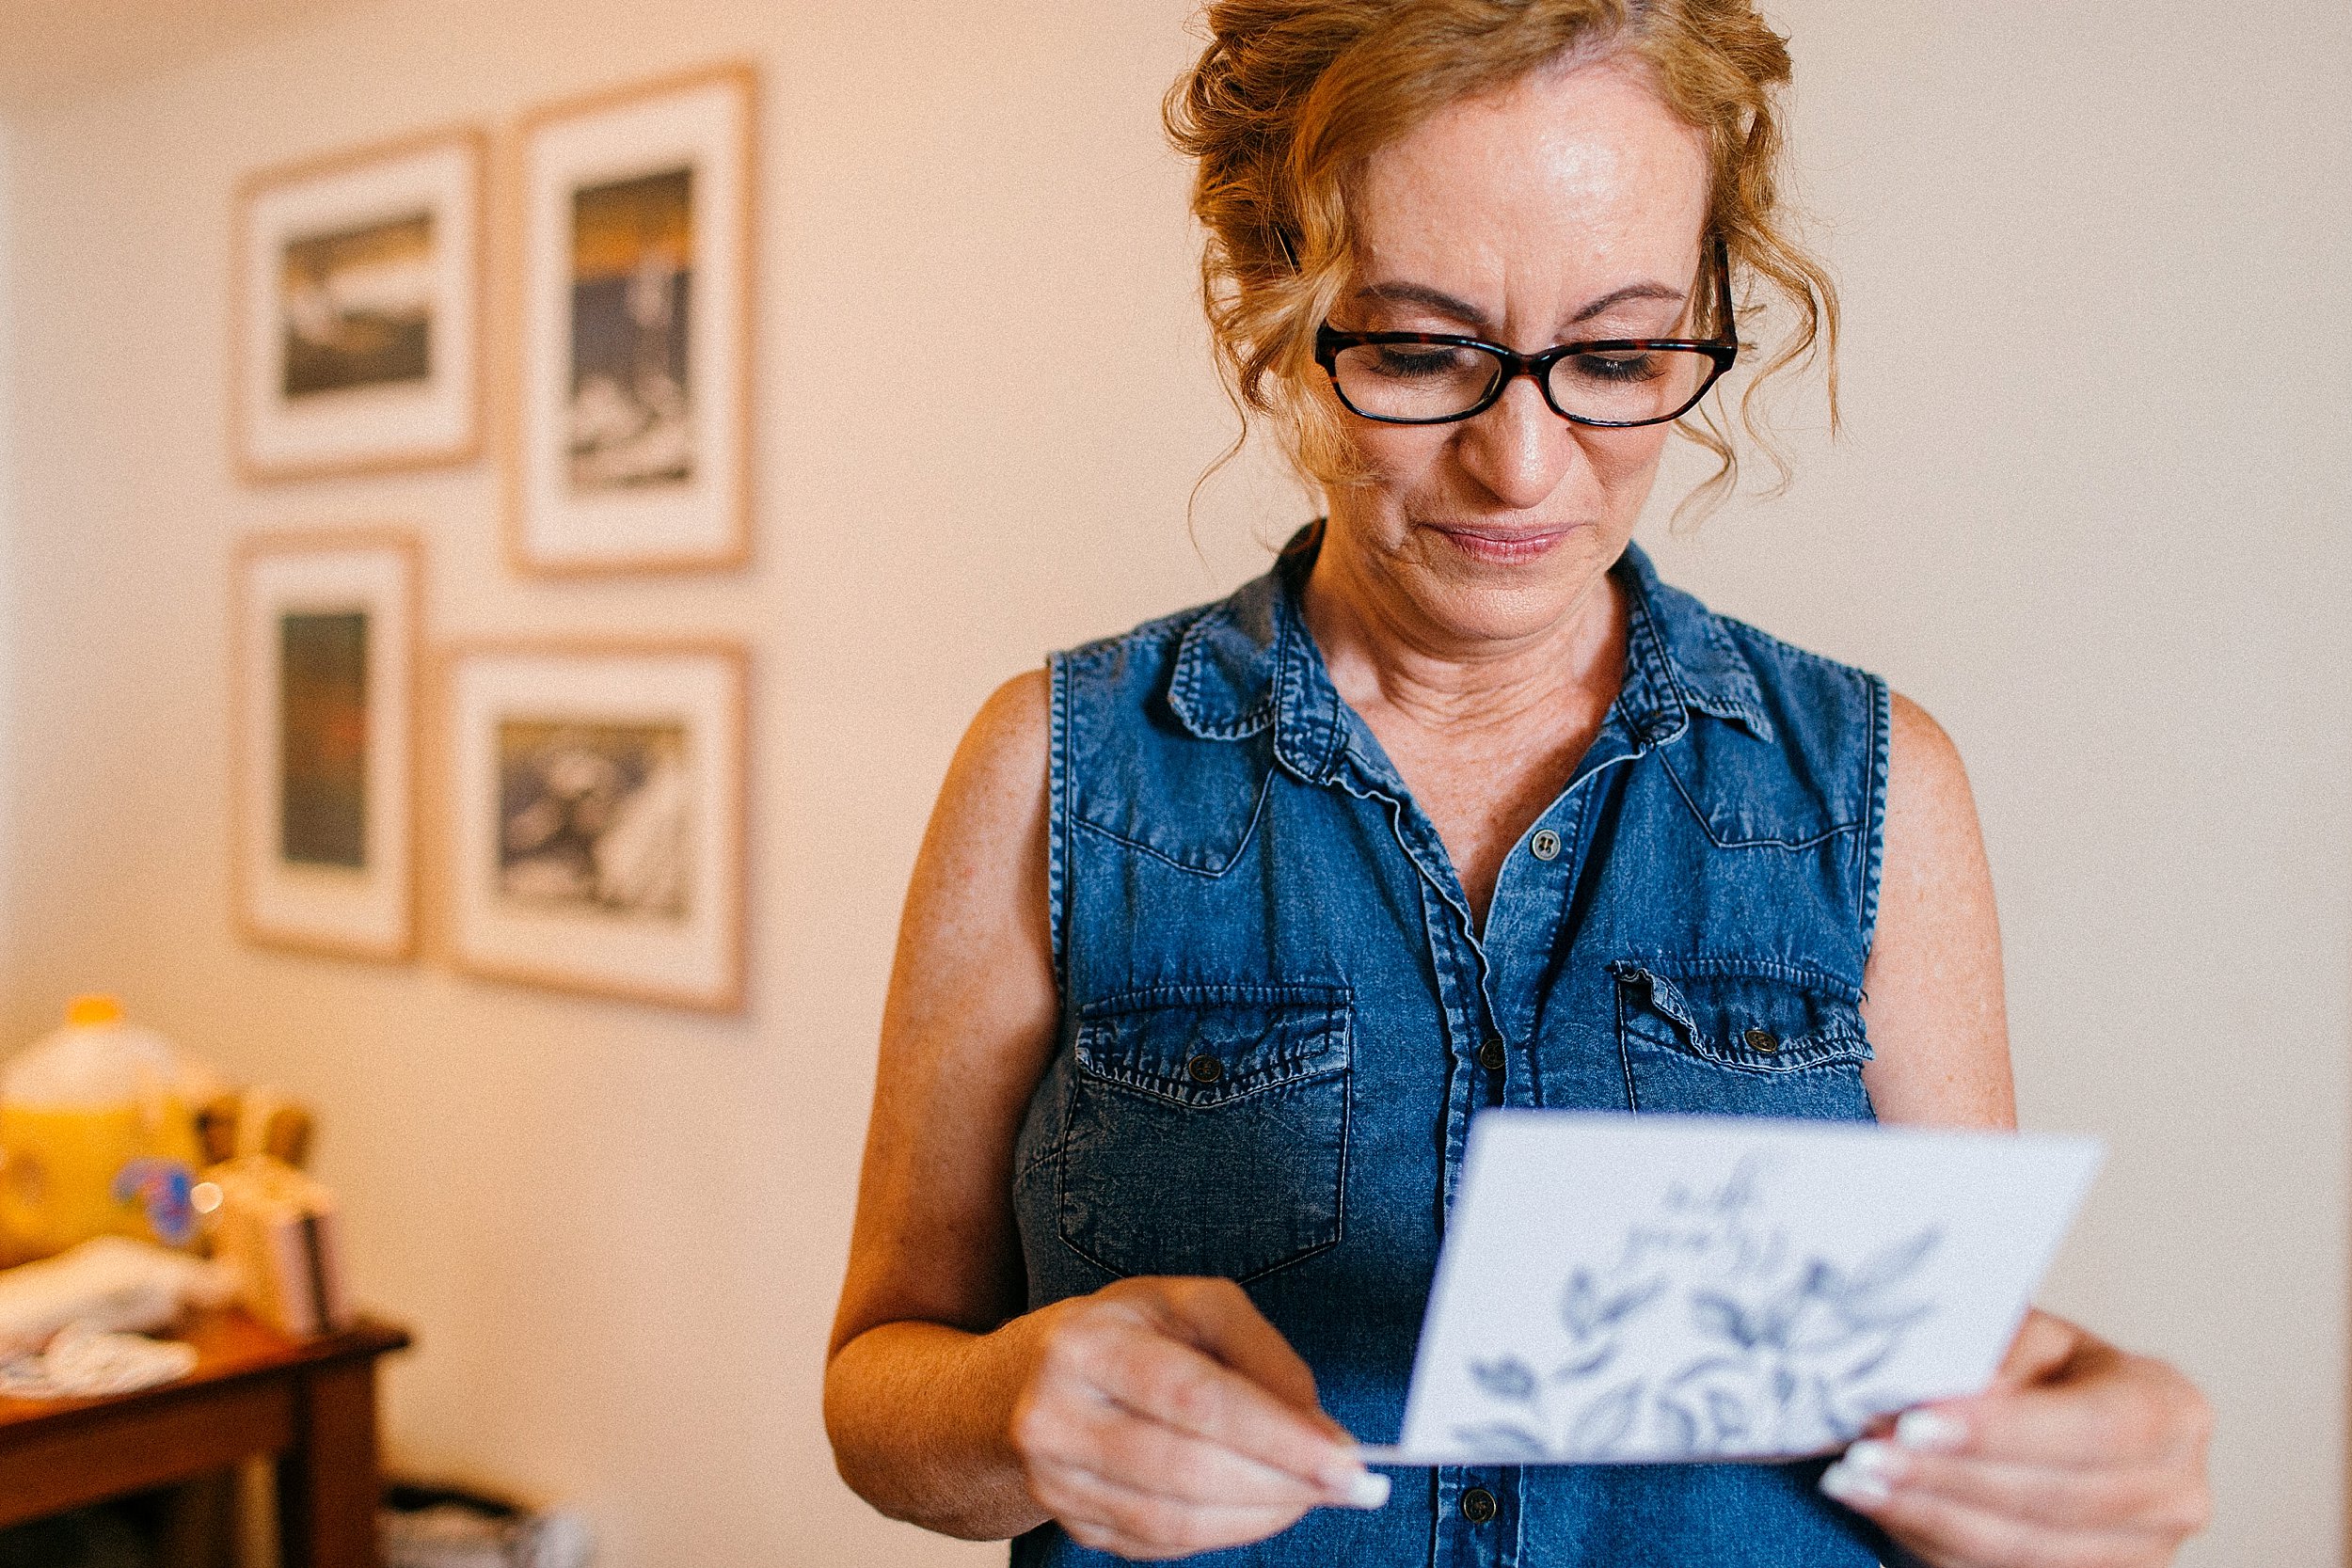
1206 1131
1729 1036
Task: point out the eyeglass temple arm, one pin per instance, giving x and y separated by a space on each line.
1728 328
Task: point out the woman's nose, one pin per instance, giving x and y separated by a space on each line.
1518 449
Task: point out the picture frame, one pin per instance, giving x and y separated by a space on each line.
357 308
597 800
325 681
632 415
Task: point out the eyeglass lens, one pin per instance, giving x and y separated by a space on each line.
1439 381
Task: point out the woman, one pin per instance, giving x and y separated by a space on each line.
1223 929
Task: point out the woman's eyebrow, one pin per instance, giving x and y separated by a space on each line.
1480 323
1619 296
1428 300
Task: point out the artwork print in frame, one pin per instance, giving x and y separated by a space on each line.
634 408
598 795
357 311
326 646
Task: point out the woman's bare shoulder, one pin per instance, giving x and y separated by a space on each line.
1934 981
1926 779
1001 760
980 879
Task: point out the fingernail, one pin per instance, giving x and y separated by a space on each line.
1882 1462
1351 1485
1849 1485
1930 1431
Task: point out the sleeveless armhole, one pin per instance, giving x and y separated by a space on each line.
1058 817
1874 834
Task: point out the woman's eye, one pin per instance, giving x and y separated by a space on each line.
1620 366
1405 362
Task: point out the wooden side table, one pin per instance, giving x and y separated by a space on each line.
310 1404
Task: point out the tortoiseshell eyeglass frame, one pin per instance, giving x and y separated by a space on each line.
1722 349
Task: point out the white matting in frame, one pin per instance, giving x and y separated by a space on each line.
598 791
357 311
634 408
325 644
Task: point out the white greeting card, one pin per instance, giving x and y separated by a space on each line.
1621 1289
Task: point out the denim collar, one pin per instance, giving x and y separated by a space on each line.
1249 663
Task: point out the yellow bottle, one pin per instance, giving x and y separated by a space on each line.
98 1134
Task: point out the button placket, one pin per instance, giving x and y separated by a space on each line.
1478 1518
1461 997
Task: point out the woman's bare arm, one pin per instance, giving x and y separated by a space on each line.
1155 1417
915 1399
2079 1453
1934 1000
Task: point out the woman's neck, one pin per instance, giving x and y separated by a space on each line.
1388 655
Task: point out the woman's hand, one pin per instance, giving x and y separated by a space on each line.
2079 1456
1165 1417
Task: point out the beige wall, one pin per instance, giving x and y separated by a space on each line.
8 582
7 577
2090 512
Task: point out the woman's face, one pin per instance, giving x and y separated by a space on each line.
1569 207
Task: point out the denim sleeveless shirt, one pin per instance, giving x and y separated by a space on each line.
1277 1018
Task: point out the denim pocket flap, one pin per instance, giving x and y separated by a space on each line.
1207 1045
1759 1015
1206 1129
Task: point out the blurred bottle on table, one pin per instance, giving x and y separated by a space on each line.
98 1135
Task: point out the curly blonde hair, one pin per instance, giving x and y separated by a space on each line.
1290 97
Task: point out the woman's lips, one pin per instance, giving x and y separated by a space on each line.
1501 547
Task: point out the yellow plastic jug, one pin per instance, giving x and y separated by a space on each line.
98 1135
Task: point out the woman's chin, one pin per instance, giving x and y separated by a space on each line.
1488 586
1472 613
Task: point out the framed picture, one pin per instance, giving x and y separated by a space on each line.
325 640
598 796
634 408
357 311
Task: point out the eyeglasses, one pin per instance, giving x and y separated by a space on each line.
1617 382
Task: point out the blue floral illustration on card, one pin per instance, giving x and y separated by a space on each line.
1780 1349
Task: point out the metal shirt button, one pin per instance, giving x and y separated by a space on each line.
1545 846
1762 1041
1205 1069
1478 1505
1490 1055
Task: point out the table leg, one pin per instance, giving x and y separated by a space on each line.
199 1519
327 1482
198 1522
